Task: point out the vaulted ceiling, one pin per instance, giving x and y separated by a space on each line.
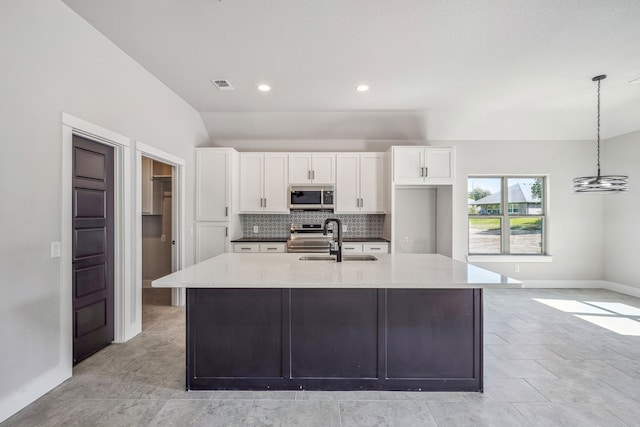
437 69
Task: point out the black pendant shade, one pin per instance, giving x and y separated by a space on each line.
600 183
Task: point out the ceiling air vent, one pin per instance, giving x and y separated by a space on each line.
222 84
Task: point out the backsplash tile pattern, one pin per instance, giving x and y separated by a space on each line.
358 225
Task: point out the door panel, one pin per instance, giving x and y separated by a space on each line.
347 183
251 177
324 168
90 279
276 194
93 263
372 182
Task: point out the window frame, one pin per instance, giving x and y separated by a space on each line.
505 216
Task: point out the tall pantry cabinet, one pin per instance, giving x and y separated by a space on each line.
217 220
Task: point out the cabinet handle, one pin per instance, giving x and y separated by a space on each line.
361 203
265 202
226 211
246 249
348 249
226 232
308 174
374 249
426 172
313 174
272 249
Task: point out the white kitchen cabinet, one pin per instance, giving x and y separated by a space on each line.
312 168
147 186
211 239
261 247
263 183
372 248
365 247
213 184
360 183
422 165
156 178
351 248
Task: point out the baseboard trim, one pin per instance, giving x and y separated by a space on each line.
584 284
623 289
563 284
31 391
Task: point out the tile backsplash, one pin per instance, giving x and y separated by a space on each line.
358 225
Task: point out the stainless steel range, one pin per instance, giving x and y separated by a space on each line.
307 238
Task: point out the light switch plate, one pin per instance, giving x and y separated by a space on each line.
255 229
55 249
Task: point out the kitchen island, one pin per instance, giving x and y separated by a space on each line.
274 321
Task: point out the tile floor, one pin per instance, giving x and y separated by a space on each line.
544 366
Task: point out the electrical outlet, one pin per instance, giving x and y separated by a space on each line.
406 239
55 249
344 227
516 268
255 229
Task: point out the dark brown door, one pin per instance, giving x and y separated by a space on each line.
92 247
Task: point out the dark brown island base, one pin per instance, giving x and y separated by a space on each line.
283 322
334 339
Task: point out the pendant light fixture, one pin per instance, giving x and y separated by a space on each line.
600 183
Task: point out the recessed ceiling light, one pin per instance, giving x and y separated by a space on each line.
362 88
264 88
635 81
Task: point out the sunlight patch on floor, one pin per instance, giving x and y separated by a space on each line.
608 315
619 325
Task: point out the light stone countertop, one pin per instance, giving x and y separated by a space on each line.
401 271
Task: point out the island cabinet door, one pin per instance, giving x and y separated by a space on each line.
432 333
334 334
235 333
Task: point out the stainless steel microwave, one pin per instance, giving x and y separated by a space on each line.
311 197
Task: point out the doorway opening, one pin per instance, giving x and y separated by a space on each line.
158 238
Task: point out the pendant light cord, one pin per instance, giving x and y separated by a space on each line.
598 130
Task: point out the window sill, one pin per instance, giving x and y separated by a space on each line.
509 258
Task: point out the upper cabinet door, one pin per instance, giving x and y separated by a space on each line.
347 193
212 184
251 180
439 165
312 168
372 186
408 165
323 168
275 183
299 168
423 165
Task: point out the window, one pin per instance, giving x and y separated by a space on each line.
507 215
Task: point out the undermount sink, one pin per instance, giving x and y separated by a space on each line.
333 258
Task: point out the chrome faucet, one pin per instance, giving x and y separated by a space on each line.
336 248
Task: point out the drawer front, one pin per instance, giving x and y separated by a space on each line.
375 247
273 247
246 247
351 248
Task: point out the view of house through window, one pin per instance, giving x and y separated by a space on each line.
506 215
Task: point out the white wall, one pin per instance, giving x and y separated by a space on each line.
574 221
54 62
620 156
